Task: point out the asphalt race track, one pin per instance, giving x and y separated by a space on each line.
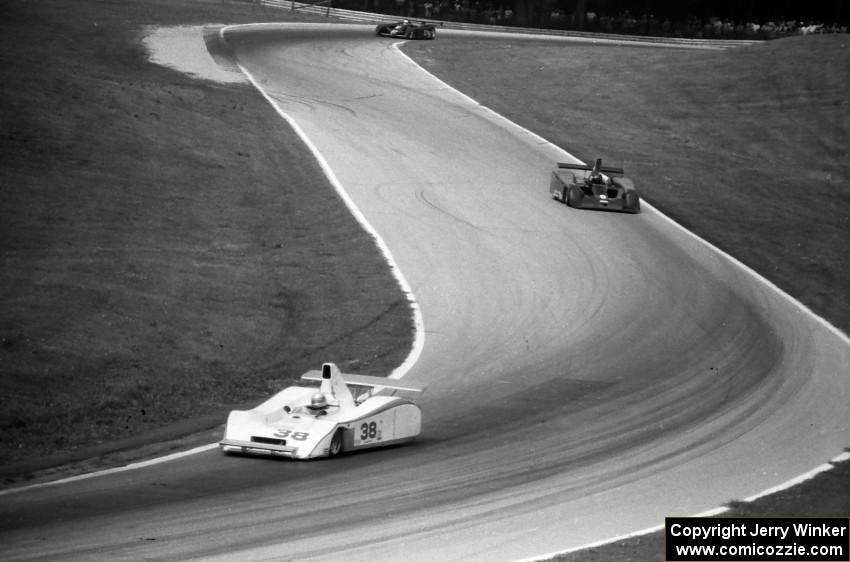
588 373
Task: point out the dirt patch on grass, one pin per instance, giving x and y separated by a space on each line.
197 51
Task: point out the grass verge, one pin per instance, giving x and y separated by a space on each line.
170 248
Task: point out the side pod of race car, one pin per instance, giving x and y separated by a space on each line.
585 187
305 422
407 30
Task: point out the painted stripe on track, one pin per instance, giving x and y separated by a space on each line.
710 513
419 325
125 468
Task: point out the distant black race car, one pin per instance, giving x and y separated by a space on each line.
407 30
585 187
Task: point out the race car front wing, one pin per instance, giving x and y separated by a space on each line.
253 447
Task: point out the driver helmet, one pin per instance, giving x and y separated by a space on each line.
318 401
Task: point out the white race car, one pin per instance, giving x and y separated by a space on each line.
305 422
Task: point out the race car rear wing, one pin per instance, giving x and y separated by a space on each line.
597 167
331 372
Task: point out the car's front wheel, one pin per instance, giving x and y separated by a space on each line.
336 444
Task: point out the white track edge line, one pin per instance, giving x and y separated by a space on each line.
710 513
419 325
125 468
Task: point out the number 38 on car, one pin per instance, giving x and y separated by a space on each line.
304 422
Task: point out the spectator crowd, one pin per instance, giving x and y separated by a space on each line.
697 28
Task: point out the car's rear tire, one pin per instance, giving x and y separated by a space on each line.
574 196
335 447
632 202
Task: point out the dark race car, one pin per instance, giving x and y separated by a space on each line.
407 30
585 187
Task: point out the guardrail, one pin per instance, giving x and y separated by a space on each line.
323 8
